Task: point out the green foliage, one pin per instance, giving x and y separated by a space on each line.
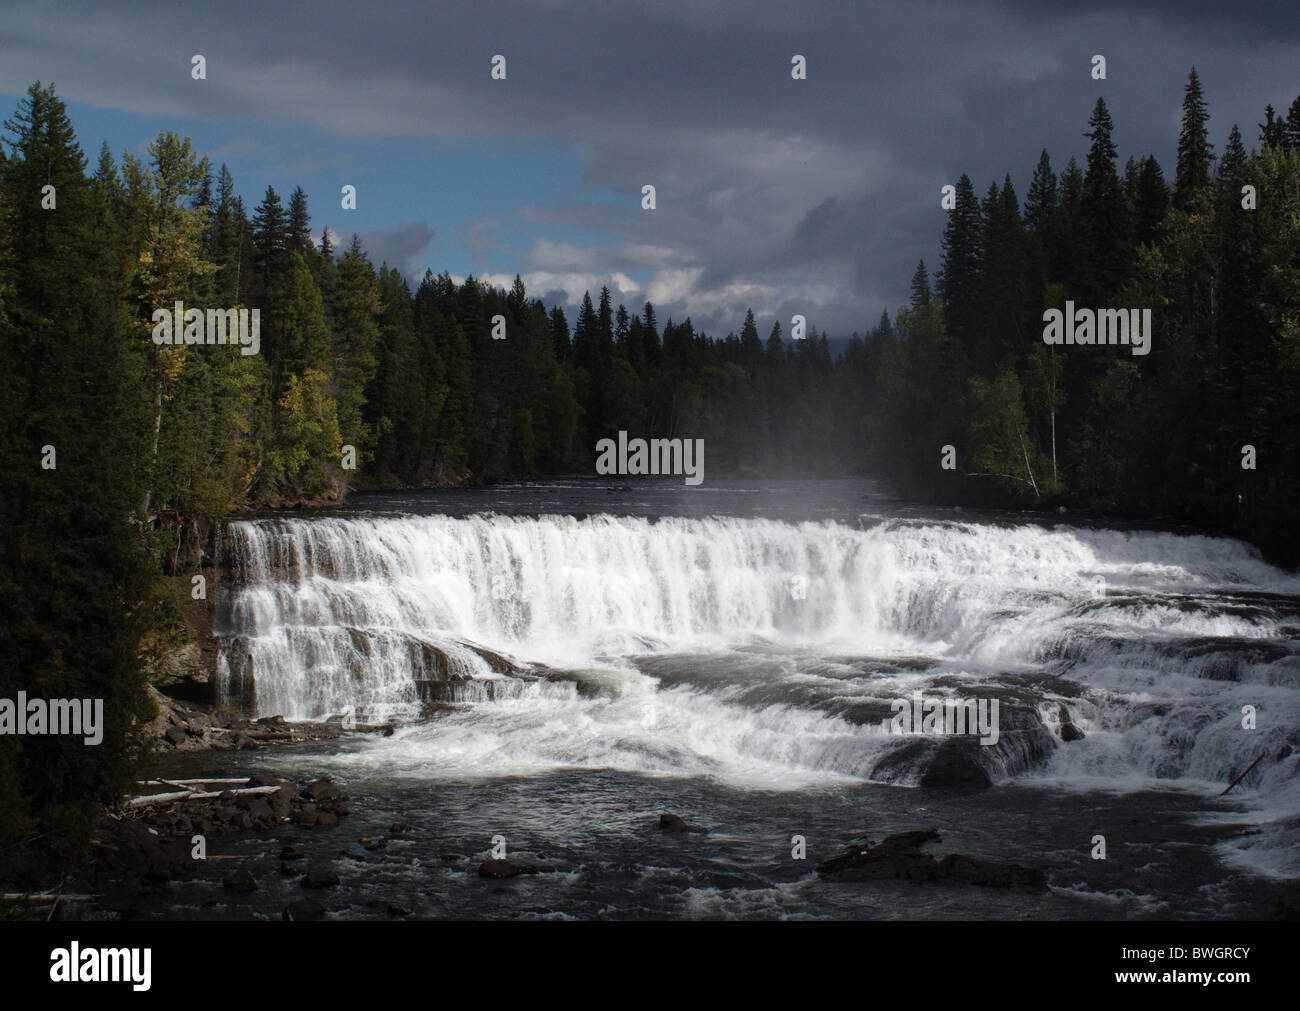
1159 435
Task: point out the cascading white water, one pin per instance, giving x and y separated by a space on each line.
561 590
1169 636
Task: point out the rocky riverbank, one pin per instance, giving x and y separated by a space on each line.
171 827
199 727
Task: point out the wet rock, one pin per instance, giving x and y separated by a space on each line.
176 736
956 766
325 819
260 810
291 853
320 877
282 800
673 823
321 789
1069 732
499 869
900 856
306 815
239 882
399 827
303 909
384 906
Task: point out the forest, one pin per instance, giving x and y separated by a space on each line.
120 453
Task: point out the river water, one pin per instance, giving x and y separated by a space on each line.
566 660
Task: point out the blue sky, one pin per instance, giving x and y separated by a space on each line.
489 209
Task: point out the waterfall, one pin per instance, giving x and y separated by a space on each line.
770 651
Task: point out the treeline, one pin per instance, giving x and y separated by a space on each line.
1204 428
119 450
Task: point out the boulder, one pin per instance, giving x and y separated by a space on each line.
384 906
900 856
239 882
1069 732
956 765
320 877
673 823
176 736
320 790
303 909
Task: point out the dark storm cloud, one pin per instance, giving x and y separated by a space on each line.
816 196
1252 21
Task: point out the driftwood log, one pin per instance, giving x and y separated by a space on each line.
148 800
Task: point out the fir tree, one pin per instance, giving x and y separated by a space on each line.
1194 147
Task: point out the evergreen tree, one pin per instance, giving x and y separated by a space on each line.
1194 147
1291 132
298 227
271 239
1107 240
72 570
1272 132
1148 201
959 279
920 286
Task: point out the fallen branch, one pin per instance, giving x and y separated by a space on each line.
149 800
186 783
43 897
1243 775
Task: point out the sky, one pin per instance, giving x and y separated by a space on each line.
814 197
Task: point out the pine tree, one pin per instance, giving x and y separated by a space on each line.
751 347
959 279
920 285
1148 201
1272 132
1041 200
270 237
355 312
1001 292
298 228
650 332
1067 246
1291 133
560 334
1107 241
72 574
1194 147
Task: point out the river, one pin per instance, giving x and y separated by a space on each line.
566 660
